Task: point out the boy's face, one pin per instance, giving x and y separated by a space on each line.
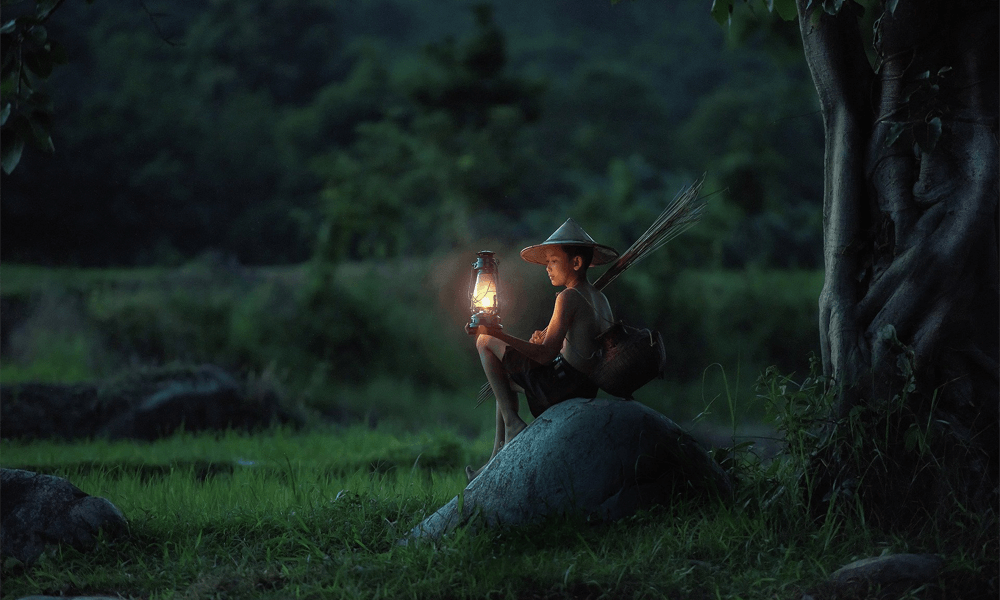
558 266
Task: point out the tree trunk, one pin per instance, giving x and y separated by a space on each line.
909 309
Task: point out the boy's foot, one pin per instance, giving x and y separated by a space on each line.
472 473
511 432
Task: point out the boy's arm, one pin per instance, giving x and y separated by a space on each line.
555 333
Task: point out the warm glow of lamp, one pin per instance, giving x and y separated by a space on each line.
484 292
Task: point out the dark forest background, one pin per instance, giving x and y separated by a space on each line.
270 130
317 175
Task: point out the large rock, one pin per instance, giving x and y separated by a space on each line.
599 458
143 405
42 510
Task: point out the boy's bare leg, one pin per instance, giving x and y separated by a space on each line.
508 422
491 351
498 437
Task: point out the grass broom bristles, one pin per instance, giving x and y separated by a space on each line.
683 211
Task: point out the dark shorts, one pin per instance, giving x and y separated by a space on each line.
545 385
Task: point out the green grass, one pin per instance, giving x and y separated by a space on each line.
318 514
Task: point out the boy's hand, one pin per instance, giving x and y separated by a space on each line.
538 337
484 330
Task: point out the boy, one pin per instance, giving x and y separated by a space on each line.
553 365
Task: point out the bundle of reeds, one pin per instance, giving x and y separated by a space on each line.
683 211
680 214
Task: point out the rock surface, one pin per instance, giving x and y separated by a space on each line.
601 458
144 405
41 510
885 576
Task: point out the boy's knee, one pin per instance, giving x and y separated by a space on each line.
482 342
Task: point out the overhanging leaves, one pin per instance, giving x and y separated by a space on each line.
41 127
28 57
12 146
928 136
785 9
722 11
896 129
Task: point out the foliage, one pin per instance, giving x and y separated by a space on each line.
434 125
722 10
754 318
890 463
28 59
345 339
409 184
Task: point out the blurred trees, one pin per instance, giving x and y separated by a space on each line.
454 145
272 130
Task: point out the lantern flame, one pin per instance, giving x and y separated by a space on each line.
485 295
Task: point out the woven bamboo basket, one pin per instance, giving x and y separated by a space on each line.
631 358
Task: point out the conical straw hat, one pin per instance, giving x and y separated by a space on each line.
569 233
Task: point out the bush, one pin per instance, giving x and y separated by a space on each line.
750 318
387 335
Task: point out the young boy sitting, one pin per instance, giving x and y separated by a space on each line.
553 365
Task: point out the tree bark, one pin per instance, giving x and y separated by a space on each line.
911 297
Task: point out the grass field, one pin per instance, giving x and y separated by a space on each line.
319 514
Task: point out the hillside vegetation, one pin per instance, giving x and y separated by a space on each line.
385 339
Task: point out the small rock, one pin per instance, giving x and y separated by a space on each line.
41 510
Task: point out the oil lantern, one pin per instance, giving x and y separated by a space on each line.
484 292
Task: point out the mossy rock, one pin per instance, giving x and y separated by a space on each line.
145 404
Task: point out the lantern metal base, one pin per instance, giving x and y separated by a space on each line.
483 318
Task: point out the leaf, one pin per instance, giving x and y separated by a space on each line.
934 128
40 101
58 53
785 9
39 62
891 6
8 85
909 90
895 130
4 113
887 333
9 26
832 7
38 34
910 439
35 128
904 365
722 10
45 7
11 147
